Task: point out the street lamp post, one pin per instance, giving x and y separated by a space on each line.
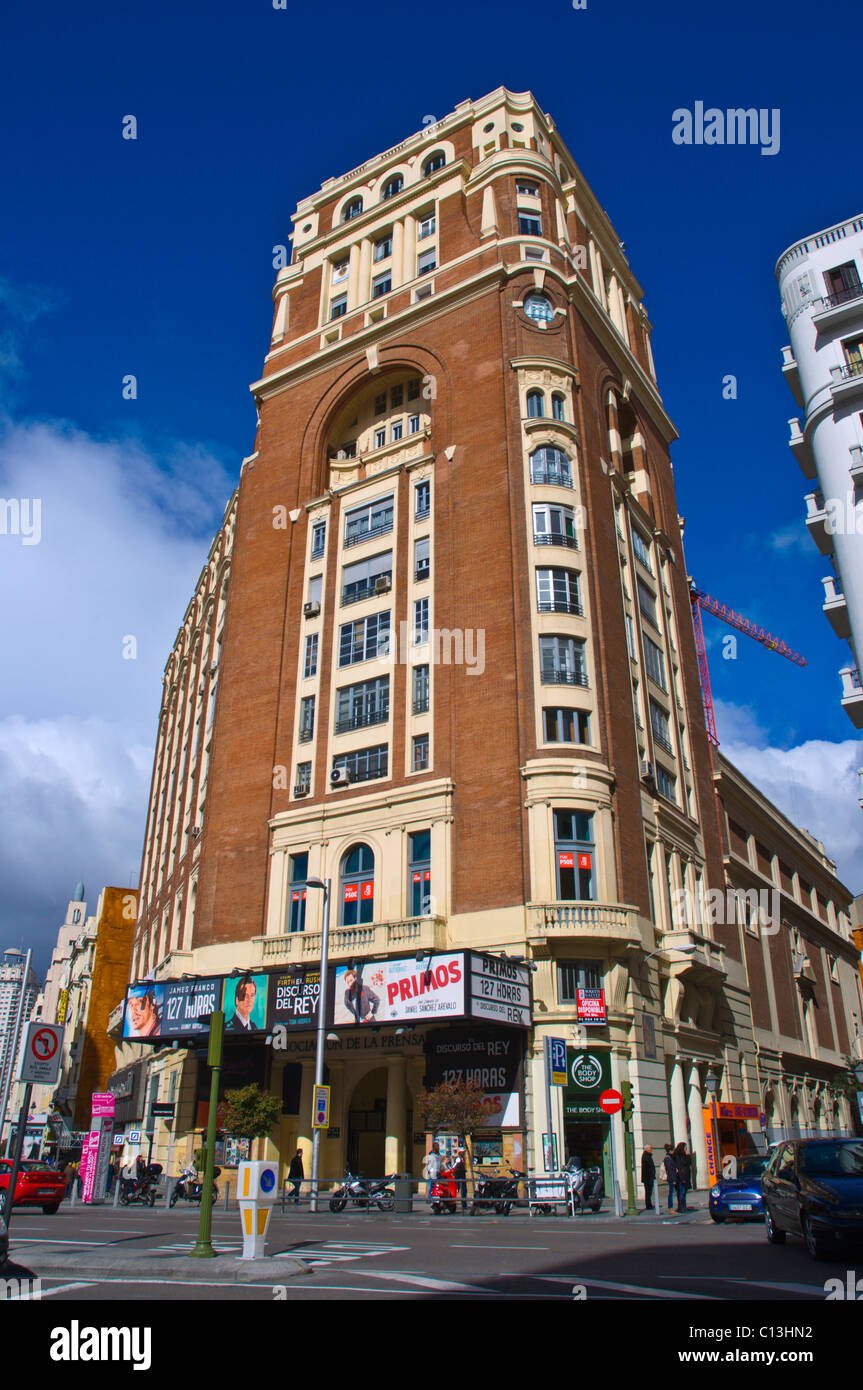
324 884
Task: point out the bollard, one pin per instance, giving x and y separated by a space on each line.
227 1194
116 1199
256 1186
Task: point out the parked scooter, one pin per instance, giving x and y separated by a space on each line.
190 1186
143 1189
361 1192
587 1185
444 1192
497 1191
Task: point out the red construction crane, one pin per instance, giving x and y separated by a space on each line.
699 599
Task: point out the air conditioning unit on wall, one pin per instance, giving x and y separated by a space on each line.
339 777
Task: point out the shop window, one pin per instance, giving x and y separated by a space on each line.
575 855
358 886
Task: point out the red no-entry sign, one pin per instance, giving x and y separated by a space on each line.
611 1102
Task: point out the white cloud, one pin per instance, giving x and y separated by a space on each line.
125 533
814 784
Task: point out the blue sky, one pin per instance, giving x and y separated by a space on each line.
154 257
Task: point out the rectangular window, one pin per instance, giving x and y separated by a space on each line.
551 466
307 718
380 403
413 424
365 639
575 854
310 660
420 753
666 785
630 637
426 228
654 663
527 190
299 873
365 764
554 526
304 779
646 602
367 577
642 549
340 272
382 284
561 661
426 261
396 431
383 248
529 224
397 396
659 723
421 622
373 519
843 282
361 705
316 586
414 388
573 975
565 726
319 538
534 253
422 560
421 690
380 438
419 873
422 501
338 306
557 592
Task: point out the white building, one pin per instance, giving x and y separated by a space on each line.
11 983
821 283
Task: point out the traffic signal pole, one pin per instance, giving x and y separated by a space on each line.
203 1248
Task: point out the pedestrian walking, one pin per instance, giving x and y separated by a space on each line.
459 1172
669 1169
683 1161
296 1176
69 1174
648 1175
434 1163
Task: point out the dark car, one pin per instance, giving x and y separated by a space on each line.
740 1198
37 1186
813 1188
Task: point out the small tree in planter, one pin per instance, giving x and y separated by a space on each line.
250 1113
454 1107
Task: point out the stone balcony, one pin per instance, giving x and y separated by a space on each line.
615 923
835 608
115 1019
376 939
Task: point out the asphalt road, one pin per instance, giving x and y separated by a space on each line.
364 1256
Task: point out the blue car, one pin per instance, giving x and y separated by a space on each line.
740 1198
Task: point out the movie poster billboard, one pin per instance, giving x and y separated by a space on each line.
188 1006
145 1006
489 1058
245 1003
294 998
499 990
396 991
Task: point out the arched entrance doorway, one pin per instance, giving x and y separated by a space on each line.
367 1125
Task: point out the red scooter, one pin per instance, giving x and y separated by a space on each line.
444 1193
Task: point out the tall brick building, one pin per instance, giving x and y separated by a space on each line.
448 621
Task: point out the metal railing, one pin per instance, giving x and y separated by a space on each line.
362 721
558 676
556 538
562 605
358 536
843 296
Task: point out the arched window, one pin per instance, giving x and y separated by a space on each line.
393 186
548 465
433 163
358 886
539 308
352 209
558 406
535 404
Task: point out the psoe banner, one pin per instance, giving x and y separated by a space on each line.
399 990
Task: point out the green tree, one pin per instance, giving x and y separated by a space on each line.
454 1107
250 1113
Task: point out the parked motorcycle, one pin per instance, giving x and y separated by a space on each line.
444 1192
143 1189
190 1187
361 1192
587 1185
497 1191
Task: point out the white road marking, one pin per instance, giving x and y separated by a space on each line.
65 1288
422 1281
500 1247
621 1288
37 1240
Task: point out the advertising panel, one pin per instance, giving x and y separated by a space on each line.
499 990
145 1005
293 1001
590 1005
188 1005
396 990
245 1003
588 1075
97 1147
492 1059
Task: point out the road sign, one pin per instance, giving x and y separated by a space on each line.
557 1061
321 1108
41 1053
611 1102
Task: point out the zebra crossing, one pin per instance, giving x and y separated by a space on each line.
315 1253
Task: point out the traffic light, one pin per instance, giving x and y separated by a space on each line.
627 1107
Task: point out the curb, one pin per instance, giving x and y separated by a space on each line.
228 1269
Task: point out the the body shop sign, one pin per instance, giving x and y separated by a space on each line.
588 1075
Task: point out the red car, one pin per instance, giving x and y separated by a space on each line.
37 1186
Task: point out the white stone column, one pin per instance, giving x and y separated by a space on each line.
394 1153
354 277
364 277
696 1123
678 1102
276 904
409 251
398 253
